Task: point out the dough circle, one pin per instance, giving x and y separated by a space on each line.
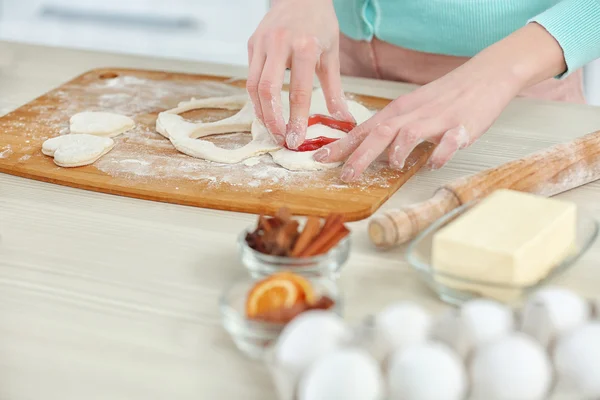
100 123
76 150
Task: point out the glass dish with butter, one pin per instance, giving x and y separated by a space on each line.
501 247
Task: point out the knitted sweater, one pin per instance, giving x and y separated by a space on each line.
465 27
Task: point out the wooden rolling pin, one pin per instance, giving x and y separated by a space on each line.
546 173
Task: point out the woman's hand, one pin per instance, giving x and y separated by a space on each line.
302 35
454 110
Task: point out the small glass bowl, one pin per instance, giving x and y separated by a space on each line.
326 265
252 337
453 289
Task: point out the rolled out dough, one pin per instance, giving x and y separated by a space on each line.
76 150
184 134
100 123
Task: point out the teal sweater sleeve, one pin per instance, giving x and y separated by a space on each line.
575 24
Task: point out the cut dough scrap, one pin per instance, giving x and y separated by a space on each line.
169 121
303 160
225 103
76 150
184 134
204 149
100 123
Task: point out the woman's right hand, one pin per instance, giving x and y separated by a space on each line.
302 35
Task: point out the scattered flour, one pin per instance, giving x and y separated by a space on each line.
6 152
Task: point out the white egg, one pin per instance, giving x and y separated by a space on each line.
348 374
400 325
515 367
551 312
308 337
426 371
476 323
577 360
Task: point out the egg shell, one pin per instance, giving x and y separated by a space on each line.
476 323
551 312
577 360
308 337
426 371
400 325
515 367
346 374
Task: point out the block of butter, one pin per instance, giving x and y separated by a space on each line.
509 237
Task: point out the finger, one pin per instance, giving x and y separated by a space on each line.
371 147
257 62
410 136
304 61
331 83
341 149
269 92
452 141
250 50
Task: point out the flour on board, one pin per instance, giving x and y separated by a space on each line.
142 155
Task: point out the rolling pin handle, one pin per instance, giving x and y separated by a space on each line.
394 227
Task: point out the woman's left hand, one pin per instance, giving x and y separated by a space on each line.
451 112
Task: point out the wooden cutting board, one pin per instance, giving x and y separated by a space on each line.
145 165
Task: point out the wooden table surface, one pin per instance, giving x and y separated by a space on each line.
105 297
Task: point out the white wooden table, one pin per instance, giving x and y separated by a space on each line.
105 297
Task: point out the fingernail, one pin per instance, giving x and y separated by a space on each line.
431 166
293 140
395 157
350 117
396 165
344 116
321 154
338 115
347 174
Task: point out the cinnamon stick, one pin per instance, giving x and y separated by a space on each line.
310 231
326 234
342 233
330 220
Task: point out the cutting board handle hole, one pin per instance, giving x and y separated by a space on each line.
108 75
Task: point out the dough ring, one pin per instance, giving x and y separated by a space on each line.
184 134
170 120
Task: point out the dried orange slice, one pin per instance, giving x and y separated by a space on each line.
277 292
308 294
